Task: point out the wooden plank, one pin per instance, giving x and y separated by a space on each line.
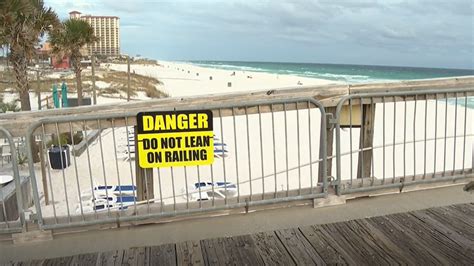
366 141
299 248
327 248
453 232
28 263
111 258
189 253
438 242
400 254
85 259
271 250
408 243
361 245
58 261
468 209
239 250
161 255
454 220
134 256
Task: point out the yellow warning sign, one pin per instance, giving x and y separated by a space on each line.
178 138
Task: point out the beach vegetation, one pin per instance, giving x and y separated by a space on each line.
68 41
22 24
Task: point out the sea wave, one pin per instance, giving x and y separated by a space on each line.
230 67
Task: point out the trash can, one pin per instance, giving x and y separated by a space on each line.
58 160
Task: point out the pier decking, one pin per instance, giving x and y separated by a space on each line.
441 235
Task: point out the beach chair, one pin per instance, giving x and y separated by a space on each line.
102 191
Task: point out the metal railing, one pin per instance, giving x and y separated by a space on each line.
269 151
12 216
420 137
266 152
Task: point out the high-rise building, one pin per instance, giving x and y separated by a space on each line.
107 29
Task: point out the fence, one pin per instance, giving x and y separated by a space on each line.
413 142
270 147
266 152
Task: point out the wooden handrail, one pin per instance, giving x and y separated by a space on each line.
328 95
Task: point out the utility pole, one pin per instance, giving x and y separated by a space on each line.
128 78
94 94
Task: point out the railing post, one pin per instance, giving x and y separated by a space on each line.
144 177
328 144
366 141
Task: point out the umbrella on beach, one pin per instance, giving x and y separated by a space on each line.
64 95
55 96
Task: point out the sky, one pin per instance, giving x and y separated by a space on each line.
420 33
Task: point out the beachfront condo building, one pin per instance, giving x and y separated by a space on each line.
107 29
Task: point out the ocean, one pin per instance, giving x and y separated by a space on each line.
338 72
344 73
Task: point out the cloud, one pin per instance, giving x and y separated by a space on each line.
303 29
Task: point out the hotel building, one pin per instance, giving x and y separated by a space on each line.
107 29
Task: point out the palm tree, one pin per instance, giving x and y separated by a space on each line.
68 41
22 24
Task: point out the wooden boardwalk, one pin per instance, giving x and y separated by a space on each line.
442 235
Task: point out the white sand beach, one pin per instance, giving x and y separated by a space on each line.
182 79
275 151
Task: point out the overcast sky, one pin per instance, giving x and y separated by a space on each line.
429 33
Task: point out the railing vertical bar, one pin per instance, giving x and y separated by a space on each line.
172 186
116 163
162 204
298 141
404 137
361 141
445 132
77 173
248 151
212 180
146 187
383 141
223 158
186 186
350 139
455 131
274 150
286 151
4 209
394 137
372 114
426 130
200 193
414 138
49 174
236 156
465 133
436 135
261 151
89 166
310 149
63 165
103 166
131 167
